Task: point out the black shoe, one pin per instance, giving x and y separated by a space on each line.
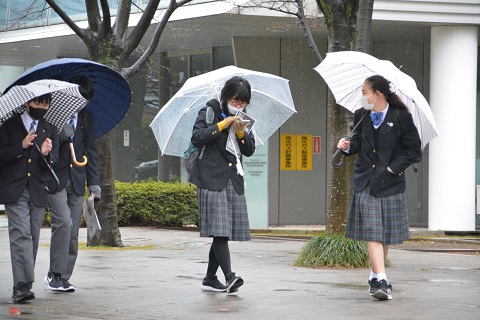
384 291
373 285
212 284
233 282
67 286
54 281
22 293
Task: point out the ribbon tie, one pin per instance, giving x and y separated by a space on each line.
377 118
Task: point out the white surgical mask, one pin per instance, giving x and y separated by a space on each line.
233 110
364 102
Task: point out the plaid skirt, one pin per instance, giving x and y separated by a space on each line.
223 213
382 219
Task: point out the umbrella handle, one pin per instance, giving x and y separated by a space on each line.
74 159
339 163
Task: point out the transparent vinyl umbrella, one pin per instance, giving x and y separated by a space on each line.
271 105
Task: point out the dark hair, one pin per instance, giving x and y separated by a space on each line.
46 98
379 83
238 88
86 87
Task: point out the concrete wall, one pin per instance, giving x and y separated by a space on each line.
295 197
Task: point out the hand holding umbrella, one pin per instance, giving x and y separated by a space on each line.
67 134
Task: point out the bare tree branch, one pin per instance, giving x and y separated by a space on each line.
131 71
93 15
123 16
78 31
307 31
107 22
137 34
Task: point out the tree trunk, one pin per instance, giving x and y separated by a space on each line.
341 18
107 207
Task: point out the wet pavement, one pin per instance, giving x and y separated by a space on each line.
159 273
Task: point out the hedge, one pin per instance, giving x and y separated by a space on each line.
156 203
153 203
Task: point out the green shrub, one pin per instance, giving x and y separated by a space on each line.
156 203
330 251
152 203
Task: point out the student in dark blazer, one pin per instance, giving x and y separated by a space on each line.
387 143
219 179
23 178
66 204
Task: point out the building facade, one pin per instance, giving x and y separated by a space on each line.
435 42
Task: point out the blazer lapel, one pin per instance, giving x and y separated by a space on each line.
368 131
387 128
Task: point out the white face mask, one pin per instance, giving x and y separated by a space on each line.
233 110
364 102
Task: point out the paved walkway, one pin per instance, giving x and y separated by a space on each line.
158 276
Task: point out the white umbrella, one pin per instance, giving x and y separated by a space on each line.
271 105
66 100
345 72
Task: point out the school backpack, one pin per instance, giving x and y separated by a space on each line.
192 154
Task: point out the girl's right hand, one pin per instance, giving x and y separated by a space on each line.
343 144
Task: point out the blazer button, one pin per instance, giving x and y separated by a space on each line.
373 166
71 165
28 174
29 160
374 150
243 141
230 164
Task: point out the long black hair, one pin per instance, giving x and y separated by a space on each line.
383 85
237 88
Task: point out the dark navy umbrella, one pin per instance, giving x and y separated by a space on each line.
112 95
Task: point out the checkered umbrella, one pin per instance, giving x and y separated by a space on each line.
66 100
112 96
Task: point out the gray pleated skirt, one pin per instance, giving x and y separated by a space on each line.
383 219
223 213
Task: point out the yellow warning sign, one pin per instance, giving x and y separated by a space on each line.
304 152
288 152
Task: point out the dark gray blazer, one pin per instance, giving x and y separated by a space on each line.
217 165
84 144
21 168
394 148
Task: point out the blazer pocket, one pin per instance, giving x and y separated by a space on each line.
207 162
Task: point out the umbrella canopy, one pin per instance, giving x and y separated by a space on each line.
66 100
345 72
112 94
271 105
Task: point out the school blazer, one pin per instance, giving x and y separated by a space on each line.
217 165
83 144
20 167
394 148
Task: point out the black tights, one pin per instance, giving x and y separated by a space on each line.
219 255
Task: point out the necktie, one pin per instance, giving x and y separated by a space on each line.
377 118
72 122
32 126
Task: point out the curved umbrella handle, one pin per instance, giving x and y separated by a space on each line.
339 163
74 159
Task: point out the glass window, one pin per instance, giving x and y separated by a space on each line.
24 14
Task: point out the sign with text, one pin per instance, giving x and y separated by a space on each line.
288 152
317 145
304 152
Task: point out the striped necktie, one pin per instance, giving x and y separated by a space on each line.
72 122
32 126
